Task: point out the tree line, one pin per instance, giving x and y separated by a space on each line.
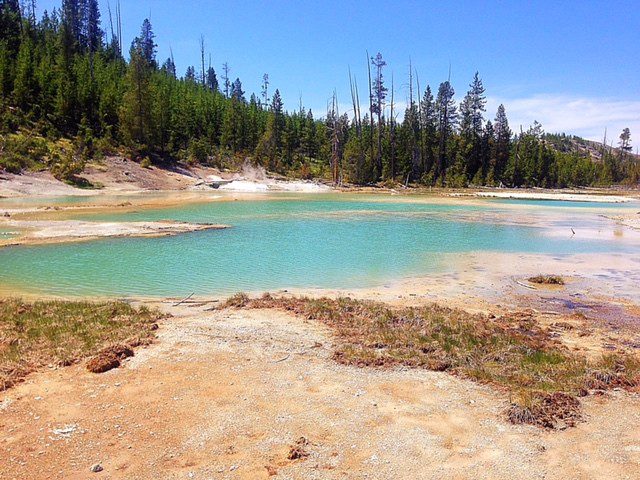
64 77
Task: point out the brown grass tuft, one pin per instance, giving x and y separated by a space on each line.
298 450
239 300
548 410
103 362
511 352
109 358
547 280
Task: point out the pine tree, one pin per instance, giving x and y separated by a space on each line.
428 121
72 16
225 79
264 92
502 144
233 126
169 67
6 70
24 85
65 103
270 145
10 25
625 142
57 77
190 75
309 144
145 44
212 80
94 32
471 130
410 143
447 117
135 113
379 94
237 92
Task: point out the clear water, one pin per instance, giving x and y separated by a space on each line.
306 241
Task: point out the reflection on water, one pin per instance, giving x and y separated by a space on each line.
280 241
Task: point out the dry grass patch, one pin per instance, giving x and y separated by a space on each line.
62 333
512 352
298 451
547 280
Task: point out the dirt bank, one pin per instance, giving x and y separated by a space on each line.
227 394
119 175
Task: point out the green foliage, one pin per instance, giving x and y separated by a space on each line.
59 79
67 166
199 151
19 152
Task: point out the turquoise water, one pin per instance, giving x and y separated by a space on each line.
289 241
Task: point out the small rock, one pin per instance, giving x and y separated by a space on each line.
65 432
96 468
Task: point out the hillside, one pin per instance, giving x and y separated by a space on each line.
596 151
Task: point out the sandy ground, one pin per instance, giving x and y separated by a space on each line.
225 395
36 184
118 175
113 175
631 220
61 231
546 195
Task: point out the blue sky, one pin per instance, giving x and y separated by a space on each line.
573 65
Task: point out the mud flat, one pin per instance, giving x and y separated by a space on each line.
60 231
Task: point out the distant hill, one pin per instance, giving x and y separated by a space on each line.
588 148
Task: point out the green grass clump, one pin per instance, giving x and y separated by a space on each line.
61 333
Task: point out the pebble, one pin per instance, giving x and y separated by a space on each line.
96 468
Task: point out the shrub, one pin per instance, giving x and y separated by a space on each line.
198 151
547 280
66 168
19 152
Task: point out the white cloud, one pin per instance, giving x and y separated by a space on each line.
583 116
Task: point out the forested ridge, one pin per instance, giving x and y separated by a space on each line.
68 95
